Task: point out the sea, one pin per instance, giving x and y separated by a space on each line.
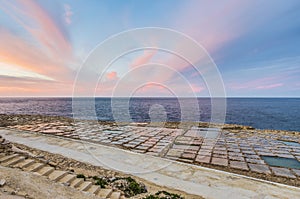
260 113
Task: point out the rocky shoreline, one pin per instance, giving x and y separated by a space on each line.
26 119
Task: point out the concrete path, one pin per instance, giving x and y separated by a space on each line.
192 179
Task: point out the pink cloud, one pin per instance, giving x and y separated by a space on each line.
197 88
143 59
258 84
155 83
217 24
111 76
20 53
47 51
222 27
270 86
212 34
151 88
39 24
10 86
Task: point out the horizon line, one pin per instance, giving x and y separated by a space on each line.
148 97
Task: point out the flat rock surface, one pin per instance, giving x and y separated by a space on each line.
237 149
192 179
284 172
24 184
260 168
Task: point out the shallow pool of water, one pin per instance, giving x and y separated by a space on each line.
112 131
290 143
282 162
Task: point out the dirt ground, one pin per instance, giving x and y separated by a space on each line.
21 184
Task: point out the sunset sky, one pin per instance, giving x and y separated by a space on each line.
254 44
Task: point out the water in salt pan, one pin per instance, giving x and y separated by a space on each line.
282 162
289 143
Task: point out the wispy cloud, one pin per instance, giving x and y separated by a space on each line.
45 49
24 86
269 76
283 64
259 83
143 59
68 13
216 24
25 55
39 24
35 39
270 86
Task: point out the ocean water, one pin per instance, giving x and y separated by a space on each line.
261 113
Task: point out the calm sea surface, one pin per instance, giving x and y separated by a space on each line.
262 113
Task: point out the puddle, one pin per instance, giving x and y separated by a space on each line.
211 133
112 131
282 162
290 143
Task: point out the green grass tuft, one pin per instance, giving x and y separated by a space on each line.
163 195
81 176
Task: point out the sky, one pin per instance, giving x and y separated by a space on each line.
253 44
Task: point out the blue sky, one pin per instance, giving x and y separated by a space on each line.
255 44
